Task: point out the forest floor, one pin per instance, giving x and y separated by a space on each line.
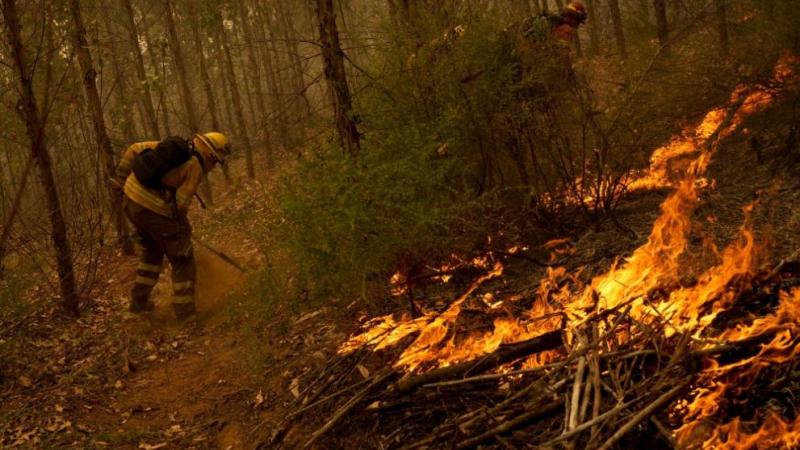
112 380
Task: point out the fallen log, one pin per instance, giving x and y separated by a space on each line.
548 341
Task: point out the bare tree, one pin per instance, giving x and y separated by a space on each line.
619 34
337 78
183 84
145 96
162 106
256 78
34 125
237 100
194 21
660 7
594 29
101 136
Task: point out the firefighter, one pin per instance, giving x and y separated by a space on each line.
560 27
160 219
573 15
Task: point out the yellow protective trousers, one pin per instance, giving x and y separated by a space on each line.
161 236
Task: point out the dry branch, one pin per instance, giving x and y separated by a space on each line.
378 378
512 424
645 413
547 341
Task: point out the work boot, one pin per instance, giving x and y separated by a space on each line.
184 311
138 306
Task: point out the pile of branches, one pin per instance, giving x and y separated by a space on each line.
616 383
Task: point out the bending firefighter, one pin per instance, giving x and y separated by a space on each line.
159 180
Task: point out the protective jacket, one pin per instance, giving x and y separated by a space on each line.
182 181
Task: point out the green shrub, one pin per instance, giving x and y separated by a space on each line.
351 219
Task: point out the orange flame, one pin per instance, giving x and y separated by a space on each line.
654 265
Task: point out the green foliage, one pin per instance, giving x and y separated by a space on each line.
452 133
351 219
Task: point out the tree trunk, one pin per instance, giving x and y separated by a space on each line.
89 77
202 61
592 25
183 84
722 26
161 107
275 103
662 26
263 114
240 66
122 96
180 68
237 101
619 35
145 96
293 55
279 79
337 78
35 130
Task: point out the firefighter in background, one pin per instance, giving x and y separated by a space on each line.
560 27
569 20
160 218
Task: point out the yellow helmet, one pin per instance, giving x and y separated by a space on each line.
215 145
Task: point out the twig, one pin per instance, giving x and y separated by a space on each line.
511 424
573 356
547 341
665 432
379 377
645 413
580 428
576 394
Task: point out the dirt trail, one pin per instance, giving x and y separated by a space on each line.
184 382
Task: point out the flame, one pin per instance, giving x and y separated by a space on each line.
657 266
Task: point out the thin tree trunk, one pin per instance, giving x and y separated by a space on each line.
161 107
662 25
122 95
619 35
226 96
722 26
592 25
145 95
278 74
256 77
89 78
293 54
337 78
202 61
183 84
180 68
35 129
244 135
271 78
240 65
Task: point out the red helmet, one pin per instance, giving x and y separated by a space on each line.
576 9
